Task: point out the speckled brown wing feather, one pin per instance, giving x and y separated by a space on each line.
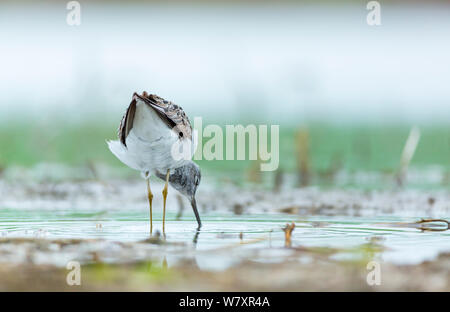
172 114
127 122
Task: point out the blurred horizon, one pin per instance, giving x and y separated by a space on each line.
287 63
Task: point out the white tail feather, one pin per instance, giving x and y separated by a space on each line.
120 151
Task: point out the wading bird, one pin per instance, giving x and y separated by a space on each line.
149 133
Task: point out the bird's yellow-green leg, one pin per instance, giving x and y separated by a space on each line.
150 199
164 192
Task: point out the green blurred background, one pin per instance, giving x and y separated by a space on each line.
354 90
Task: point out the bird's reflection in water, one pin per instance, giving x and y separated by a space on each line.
195 239
194 261
164 264
190 261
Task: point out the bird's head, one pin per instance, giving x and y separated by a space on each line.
185 180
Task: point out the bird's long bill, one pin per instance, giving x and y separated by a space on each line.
197 216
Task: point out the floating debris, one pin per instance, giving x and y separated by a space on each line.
432 225
288 234
423 225
431 201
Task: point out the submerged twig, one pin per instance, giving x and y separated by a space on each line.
424 228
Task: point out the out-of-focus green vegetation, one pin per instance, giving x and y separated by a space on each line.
368 147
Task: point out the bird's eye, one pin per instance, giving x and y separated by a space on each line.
181 134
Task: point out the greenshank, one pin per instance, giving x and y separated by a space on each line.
149 133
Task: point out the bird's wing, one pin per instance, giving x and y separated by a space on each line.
172 115
127 122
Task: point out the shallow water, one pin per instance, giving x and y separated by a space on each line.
218 245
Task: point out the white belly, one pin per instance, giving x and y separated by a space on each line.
147 125
149 156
